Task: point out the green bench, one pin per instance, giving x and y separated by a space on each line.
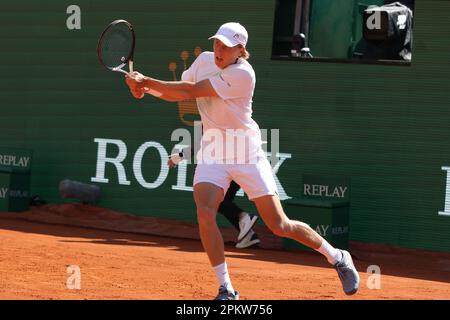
324 204
15 170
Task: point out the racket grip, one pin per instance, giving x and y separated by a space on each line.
130 65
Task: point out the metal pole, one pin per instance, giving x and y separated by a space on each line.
305 20
298 17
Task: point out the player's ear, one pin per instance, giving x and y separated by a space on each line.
241 50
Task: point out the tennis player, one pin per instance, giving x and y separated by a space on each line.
223 83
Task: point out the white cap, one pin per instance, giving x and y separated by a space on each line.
231 34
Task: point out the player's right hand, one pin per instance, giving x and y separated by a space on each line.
135 88
138 94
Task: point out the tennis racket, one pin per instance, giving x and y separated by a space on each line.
115 47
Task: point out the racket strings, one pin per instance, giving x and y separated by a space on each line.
116 46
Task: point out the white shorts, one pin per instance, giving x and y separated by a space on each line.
255 179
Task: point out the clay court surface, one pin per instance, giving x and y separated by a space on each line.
114 265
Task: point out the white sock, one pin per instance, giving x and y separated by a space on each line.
223 276
333 255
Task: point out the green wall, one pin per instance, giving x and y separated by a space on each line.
386 128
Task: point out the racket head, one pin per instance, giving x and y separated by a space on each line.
115 47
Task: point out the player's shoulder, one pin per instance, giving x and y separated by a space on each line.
206 56
203 60
242 68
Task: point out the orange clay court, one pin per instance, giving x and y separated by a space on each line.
34 257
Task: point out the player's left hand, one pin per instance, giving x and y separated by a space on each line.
174 159
171 164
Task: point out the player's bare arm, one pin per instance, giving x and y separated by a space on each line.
170 90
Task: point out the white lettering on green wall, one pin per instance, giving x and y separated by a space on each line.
10 160
446 211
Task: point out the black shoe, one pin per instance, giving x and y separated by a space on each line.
224 294
246 223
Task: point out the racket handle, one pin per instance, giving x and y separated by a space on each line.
119 70
130 64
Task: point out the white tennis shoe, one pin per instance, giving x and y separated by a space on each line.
249 240
246 223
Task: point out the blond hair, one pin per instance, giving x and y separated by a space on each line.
246 55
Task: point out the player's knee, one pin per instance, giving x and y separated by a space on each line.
281 229
206 214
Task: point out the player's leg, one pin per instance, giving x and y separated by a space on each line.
270 210
207 198
258 182
272 213
210 181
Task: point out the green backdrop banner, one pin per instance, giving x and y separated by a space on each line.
385 129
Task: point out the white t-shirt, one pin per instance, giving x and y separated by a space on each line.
229 114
